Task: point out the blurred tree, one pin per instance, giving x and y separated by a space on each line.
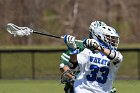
68 17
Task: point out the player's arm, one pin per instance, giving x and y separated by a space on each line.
113 55
66 65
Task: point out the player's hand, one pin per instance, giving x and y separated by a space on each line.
70 42
72 80
91 43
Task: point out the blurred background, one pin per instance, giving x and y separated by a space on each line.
38 57
69 17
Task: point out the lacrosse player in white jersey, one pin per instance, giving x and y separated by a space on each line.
98 62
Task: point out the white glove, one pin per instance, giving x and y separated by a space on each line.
70 42
91 43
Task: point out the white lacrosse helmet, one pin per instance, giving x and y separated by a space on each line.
94 25
107 35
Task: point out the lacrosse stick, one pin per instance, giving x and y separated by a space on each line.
25 31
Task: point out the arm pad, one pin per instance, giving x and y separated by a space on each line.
115 56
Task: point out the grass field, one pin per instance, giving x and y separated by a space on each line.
30 86
54 86
127 86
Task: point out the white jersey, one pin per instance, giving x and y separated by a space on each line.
97 72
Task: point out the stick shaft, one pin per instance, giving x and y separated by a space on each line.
50 35
46 34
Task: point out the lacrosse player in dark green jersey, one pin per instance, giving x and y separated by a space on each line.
69 69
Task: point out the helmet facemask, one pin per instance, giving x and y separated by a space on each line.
112 40
107 37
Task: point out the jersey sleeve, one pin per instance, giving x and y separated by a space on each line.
65 56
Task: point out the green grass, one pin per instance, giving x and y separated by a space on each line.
127 86
54 86
30 86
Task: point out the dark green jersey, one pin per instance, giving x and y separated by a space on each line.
65 59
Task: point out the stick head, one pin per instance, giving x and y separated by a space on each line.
18 31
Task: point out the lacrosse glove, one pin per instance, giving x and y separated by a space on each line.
66 79
70 42
91 44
